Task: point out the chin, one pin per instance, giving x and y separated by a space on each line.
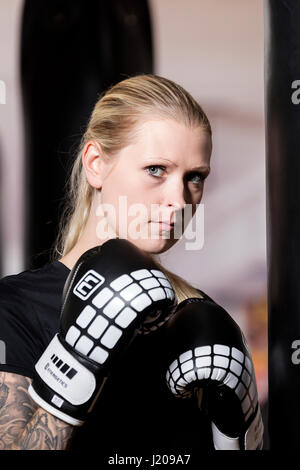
154 247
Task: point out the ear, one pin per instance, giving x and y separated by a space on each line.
93 163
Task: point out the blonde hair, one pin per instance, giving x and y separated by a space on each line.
112 124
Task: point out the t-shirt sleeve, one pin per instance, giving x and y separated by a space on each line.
19 343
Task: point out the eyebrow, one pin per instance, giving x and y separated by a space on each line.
201 168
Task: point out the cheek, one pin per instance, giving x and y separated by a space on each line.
196 198
128 200
116 185
135 192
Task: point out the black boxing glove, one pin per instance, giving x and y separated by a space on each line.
114 292
209 357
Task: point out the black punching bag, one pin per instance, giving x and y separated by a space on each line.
71 51
282 71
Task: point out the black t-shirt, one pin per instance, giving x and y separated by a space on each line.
135 411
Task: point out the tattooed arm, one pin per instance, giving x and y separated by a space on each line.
23 424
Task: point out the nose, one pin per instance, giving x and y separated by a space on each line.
174 195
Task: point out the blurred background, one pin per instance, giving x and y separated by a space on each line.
55 59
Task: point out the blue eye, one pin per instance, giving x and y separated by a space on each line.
156 171
197 179
153 169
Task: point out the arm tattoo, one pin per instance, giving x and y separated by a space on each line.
44 432
16 406
24 425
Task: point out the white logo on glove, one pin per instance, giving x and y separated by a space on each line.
88 284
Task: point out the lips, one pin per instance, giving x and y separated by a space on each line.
169 222
164 225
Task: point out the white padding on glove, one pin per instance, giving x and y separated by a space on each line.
254 434
223 442
65 375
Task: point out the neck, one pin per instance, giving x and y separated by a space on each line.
88 239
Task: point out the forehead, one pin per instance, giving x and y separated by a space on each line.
170 139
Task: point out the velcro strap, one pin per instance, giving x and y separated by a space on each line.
222 441
64 374
254 434
253 437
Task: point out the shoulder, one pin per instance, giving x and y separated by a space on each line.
29 313
33 283
33 291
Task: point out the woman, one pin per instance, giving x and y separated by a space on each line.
149 142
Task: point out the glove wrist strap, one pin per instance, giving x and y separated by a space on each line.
63 385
